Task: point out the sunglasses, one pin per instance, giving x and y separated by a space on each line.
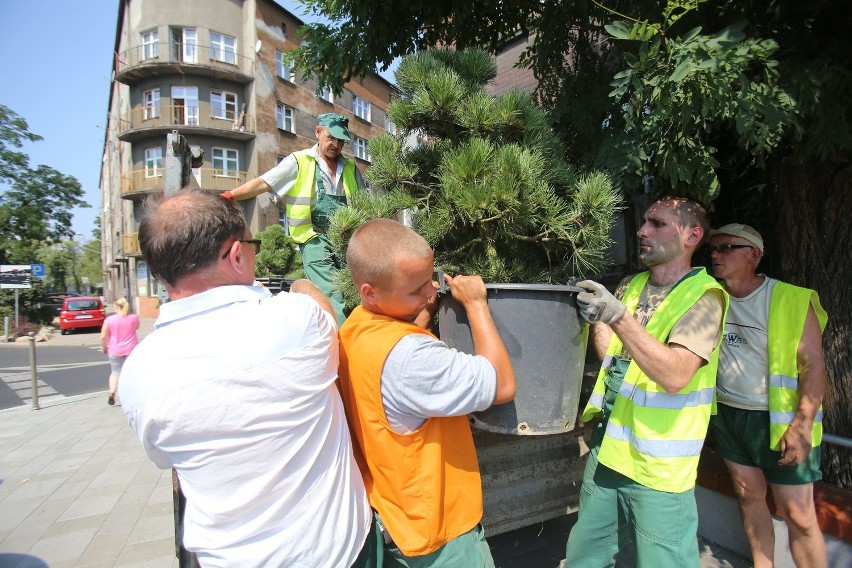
723 249
255 244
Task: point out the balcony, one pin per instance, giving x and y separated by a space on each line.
199 119
145 61
130 245
138 184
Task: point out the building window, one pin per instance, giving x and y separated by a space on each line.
284 66
185 45
390 127
150 44
223 105
225 162
326 95
361 149
223 48
153 162
284 117
361 108
151 102
185 105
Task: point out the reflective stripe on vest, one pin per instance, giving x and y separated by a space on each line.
674 401
652 436
300 198
659 448
788 310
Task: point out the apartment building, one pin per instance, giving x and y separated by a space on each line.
217 72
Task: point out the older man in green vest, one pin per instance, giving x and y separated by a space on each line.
313 183
653 397
771 383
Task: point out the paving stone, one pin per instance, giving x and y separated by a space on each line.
65 547
152 529
142 553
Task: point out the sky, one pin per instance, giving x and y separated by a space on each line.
56 71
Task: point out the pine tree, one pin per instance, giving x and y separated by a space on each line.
482 178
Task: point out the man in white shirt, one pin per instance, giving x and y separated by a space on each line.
236 390
313 183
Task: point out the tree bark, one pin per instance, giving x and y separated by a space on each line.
811 216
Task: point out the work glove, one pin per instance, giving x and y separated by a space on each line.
597 304
227 195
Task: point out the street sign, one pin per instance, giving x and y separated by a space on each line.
15 275
38 270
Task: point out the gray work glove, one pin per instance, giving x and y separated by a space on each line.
597 304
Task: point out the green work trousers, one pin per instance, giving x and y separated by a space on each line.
321 267
469 550
614 510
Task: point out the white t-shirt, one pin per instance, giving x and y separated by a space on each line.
743 375
423 378
236 390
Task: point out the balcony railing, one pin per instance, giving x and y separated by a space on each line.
130 244
139 183
140 61
199 115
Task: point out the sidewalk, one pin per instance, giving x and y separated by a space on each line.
76 489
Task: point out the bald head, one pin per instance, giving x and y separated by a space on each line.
377 245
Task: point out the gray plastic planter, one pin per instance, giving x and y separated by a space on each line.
546 340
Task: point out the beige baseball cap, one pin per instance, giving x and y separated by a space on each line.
742 231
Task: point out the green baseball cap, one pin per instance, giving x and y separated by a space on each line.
337 124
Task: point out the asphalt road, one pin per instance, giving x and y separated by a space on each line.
65 366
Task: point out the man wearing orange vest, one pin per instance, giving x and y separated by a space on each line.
771 384
407 396
313 183
652 399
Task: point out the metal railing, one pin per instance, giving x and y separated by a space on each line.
167 53
136 182
200 114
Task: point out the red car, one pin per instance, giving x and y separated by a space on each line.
81 312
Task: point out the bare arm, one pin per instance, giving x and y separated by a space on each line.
250 189
796 442
304 286
670 366
104 337
470 292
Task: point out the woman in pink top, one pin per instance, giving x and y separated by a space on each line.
118 338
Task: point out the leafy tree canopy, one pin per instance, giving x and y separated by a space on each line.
681 96
35 203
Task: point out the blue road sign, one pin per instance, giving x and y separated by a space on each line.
38 269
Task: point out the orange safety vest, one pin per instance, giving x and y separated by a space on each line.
425 485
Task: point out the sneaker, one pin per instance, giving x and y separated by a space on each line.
111 400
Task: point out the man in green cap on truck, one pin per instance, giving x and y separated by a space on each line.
313 183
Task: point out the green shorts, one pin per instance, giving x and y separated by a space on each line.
742 436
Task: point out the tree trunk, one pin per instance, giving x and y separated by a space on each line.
811 213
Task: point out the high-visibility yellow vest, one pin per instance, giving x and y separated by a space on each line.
301 196
788 309
653 437
425 484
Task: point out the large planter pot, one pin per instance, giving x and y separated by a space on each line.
546 340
